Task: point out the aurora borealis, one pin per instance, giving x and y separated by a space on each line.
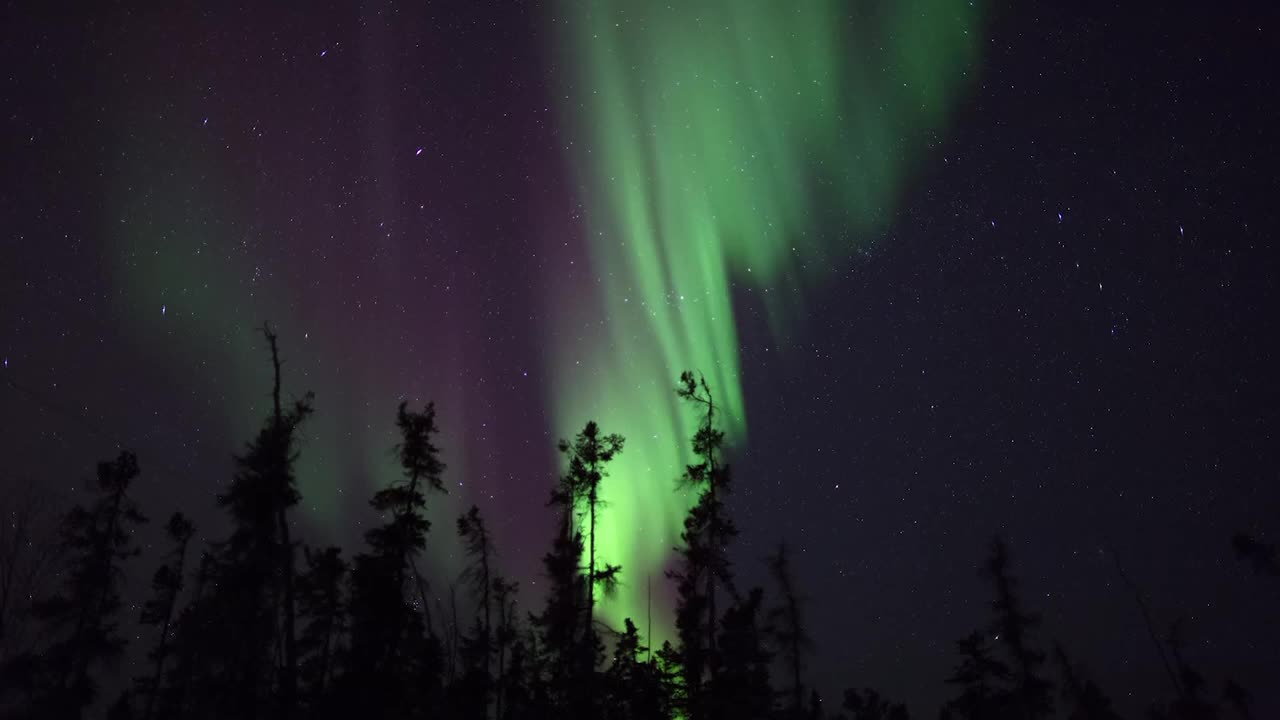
951 268
722 146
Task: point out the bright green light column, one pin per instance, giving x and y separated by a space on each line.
723 147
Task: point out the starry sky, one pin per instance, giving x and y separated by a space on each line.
957 268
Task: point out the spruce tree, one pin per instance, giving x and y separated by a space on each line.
255 569
704 563
559 656
321 607
981 677
98 540
740 689
1030 692
166 584
787 627
588 456
392 659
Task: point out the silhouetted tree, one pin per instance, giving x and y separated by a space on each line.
740 689
1191 704
98 540
868 705
1260 555
704 563
392 658
981 678
634 686
1030 691
1085 700
321 605
159 610
255 569
589 456
505 636
1238 699
192 641
560 623
478 547
788 628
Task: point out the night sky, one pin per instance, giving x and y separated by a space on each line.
957 270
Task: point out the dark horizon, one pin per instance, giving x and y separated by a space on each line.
1029 293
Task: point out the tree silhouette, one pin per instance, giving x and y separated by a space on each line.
505 637
1085 700
98 540
479 647
589 455
981 678
1030 693
321 604
159 610
256 564
704 563
635 687
740 688
787 626
191 643
1260 555
869 705
392 659
560 622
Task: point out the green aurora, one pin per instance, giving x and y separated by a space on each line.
729 151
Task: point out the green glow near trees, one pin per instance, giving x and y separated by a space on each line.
728 150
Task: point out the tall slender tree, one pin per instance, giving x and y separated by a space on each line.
558 658
588 456
981 678
787 626
256 563
1030 693
478 547
505 636
166 584
391 653
708 530
321 607
98 541
741 689
1084 699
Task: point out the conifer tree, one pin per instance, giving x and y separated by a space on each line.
589 455
321 605
559 657
392 658
981 678
1030 692
479 647
704 563
166 584
98 541
1085 700
505 637
192 643
255 570
1262 556
741 690
635 687
869 705
788 628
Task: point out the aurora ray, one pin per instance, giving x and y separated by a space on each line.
710 139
